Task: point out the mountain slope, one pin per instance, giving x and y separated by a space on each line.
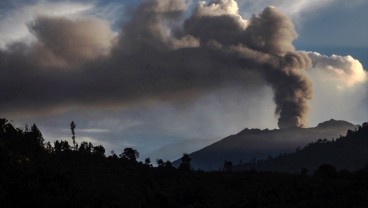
255 143
348 152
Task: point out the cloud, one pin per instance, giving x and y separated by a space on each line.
163 53
13 24
174 78
220 8
154 58
345 71
70 42
340 86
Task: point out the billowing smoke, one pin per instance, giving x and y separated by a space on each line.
265 41
67 42
262 45
273 33
160 53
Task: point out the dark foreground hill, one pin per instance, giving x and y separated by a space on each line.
250 144
37 174
348 152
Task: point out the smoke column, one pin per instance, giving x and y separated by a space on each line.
273 33
265 43
166 51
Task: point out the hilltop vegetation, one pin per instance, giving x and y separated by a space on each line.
349 152
38 174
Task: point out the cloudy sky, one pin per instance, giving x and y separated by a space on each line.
171 76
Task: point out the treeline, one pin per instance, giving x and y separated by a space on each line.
28 144
35 173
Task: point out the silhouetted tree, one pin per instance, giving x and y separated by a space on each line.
49 148
36 133
57 146
185 162
86 147
228 166
304 171
168 164
160 163
72 128
326 171
99 150
61 146
7 127
349 132
129 154
3 123
147 161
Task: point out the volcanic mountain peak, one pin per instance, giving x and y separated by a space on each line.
333 123
256 143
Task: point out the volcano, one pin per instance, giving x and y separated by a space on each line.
252 144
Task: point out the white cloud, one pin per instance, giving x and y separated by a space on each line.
344 71
339 88
219 8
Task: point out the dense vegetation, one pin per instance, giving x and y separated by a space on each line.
349 152
35 173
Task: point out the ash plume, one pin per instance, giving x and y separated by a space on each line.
161 53
265 42
272 32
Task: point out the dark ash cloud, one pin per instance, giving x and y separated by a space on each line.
159 54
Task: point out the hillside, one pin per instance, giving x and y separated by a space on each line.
37 174
349 152
255 143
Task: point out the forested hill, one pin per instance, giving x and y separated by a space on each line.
35 173
348 152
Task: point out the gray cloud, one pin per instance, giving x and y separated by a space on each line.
63 42
159 54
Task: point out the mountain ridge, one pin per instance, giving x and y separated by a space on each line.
249 144
347 152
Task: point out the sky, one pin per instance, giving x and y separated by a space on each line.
172 76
